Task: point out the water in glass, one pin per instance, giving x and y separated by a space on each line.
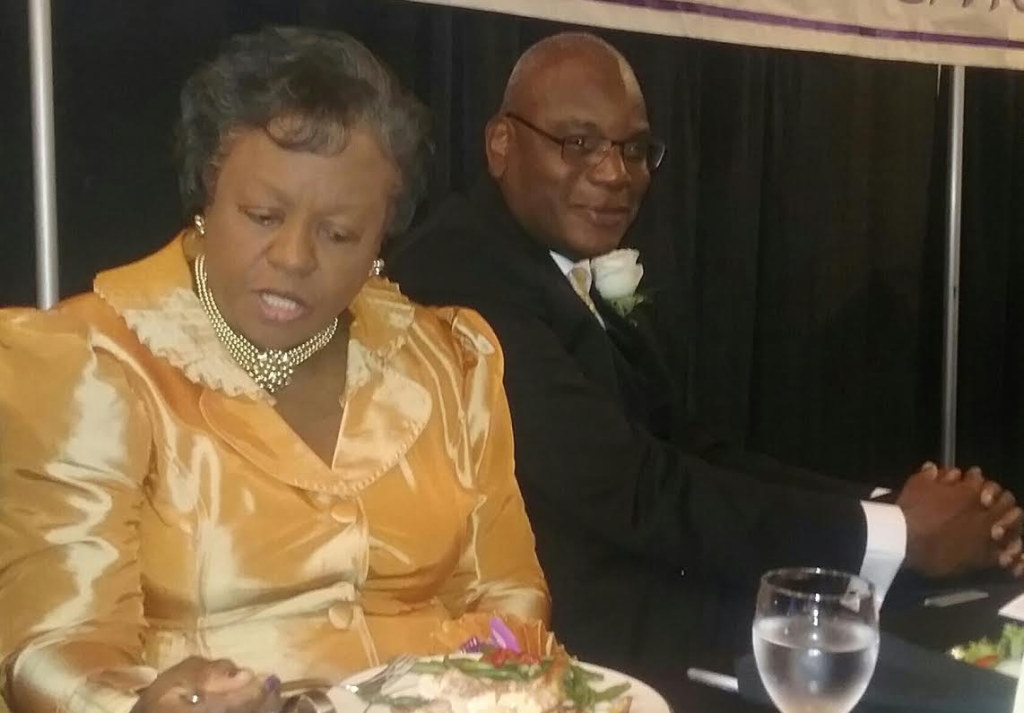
815 640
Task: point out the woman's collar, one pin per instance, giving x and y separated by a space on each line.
154 297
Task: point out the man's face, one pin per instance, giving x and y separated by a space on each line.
578 205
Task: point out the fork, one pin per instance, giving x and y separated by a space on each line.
371 687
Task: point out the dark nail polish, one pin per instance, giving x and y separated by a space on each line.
272 684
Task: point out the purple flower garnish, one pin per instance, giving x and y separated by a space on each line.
502 636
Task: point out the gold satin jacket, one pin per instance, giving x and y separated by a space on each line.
153 505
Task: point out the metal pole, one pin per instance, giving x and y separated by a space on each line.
951 303
43 152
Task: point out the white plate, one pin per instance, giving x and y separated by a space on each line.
645 698
1009 668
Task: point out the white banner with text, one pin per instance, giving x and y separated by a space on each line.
987 33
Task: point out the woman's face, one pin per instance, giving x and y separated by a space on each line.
291 236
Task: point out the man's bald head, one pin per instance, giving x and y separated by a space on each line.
551 53
569 147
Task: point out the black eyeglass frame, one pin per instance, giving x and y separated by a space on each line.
651 160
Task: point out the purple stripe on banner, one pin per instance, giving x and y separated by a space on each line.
764 18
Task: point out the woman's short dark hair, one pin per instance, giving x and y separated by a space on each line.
322 83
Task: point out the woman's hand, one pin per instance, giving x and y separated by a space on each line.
198 685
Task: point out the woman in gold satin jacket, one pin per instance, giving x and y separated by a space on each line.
244 448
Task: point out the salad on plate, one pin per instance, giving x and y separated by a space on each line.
497 675
1002 655
502 680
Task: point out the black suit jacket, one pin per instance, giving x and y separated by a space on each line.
652 546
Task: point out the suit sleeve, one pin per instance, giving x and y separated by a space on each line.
74 451
767 469
583 464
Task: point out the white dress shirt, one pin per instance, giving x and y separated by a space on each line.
886 544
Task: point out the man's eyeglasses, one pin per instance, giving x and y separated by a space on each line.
591 149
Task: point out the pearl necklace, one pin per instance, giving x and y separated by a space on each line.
270 368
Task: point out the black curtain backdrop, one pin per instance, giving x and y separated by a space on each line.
794 237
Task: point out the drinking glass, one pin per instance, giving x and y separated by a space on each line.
815 638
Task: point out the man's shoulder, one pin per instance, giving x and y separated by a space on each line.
452 229
459 257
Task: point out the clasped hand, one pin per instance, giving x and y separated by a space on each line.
958 522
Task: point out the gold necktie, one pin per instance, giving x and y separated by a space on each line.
578 277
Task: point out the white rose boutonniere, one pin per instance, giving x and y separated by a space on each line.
617 275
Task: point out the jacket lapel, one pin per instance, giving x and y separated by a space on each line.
384 414
569 318
641 369
582 334
260 436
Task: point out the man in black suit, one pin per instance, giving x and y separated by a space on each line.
652 542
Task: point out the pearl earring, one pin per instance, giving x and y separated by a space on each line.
200 223
377 269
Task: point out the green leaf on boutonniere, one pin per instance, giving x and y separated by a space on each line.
625 305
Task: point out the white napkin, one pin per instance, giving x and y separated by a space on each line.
1014 609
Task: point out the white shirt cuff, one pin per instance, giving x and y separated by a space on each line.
886 545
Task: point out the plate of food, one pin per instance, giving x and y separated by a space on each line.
1003 654
501 681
